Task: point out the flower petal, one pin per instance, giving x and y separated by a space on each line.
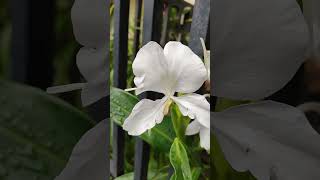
89 20
258 46
185 67
205 138
150 69
144 116
196 107
89 157
270 139
193 128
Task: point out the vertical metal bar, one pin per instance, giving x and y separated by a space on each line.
199 26
152 21
32 42
121 24
137 26
141 159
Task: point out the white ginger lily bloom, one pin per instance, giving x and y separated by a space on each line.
172 69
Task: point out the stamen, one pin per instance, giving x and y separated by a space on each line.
65 88
131 89
203 45
167 106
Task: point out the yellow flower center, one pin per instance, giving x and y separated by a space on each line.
167 106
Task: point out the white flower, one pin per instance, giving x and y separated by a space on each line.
172 69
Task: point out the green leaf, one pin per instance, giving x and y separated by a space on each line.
152 174
196 173
37 132
128 176
121 104
180 161
179 121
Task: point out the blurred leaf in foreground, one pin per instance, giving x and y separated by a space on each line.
37 132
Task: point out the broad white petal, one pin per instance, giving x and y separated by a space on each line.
150 69
195 106
193 128
205 138
258 46
144 116
89 157
185 67
89 19
312 15
270 139
92 64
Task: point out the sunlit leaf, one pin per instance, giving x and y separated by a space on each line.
180 161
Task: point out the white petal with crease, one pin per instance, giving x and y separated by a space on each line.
193 128
185 68
195 106
150 69
144 116
205 138
269 139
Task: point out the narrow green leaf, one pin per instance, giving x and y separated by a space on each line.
180 161
196 173
152 174
179 122
121 104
